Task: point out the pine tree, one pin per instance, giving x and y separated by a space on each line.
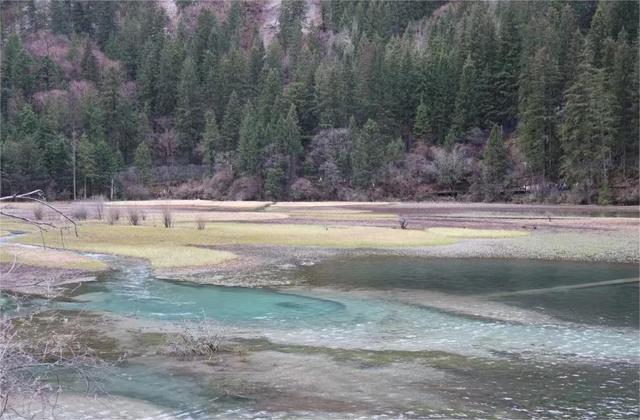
86 162
143 161
466 110
505 78
231 123
167 77
494 163
89 64
189 113
56 158
394 152
538 119
588 128
421 126
368 150
249 143
211 140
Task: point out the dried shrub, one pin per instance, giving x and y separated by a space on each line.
200 223
113 215
133 216
41 346
167 217
245 188
98 206
79 212
38 212
197 342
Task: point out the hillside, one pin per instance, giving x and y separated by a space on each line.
321 99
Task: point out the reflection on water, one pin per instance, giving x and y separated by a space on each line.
611 305
499 369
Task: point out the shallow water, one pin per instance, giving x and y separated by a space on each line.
533 369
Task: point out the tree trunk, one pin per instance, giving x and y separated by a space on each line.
73 158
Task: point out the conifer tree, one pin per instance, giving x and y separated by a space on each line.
143 161
211 140
538 119
249 143
494 163
89 64
231 123
588 129
421 125
368 150
466 109
189 113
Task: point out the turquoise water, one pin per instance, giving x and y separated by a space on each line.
347 322
533 369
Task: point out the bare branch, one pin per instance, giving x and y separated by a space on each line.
40 196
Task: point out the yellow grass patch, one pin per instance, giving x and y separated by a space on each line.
476 233
175 204
307 204
54 258
182 246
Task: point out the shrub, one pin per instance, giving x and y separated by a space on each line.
167 217
303 189
133 215
98 201
79 212
113 215
38 212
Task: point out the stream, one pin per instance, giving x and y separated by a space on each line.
330 351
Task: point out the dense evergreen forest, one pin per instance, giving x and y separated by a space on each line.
321 99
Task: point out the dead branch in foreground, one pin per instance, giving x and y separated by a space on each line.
39 348
38 197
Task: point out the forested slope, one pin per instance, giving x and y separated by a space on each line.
321 99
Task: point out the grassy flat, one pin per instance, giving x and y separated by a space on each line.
464 233
39 257
178 246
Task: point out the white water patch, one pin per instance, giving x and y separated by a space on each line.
380 325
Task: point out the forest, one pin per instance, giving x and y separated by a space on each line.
321 99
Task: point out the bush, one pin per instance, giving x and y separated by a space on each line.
98 201
245 188
303 189
167 217
79 212
38 212
113 215
133 215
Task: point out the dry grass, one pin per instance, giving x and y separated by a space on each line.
338 214
173 247
307 204
39 257
464 233
176 204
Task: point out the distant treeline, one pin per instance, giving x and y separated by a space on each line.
351 100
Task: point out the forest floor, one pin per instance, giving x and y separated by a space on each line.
246 237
